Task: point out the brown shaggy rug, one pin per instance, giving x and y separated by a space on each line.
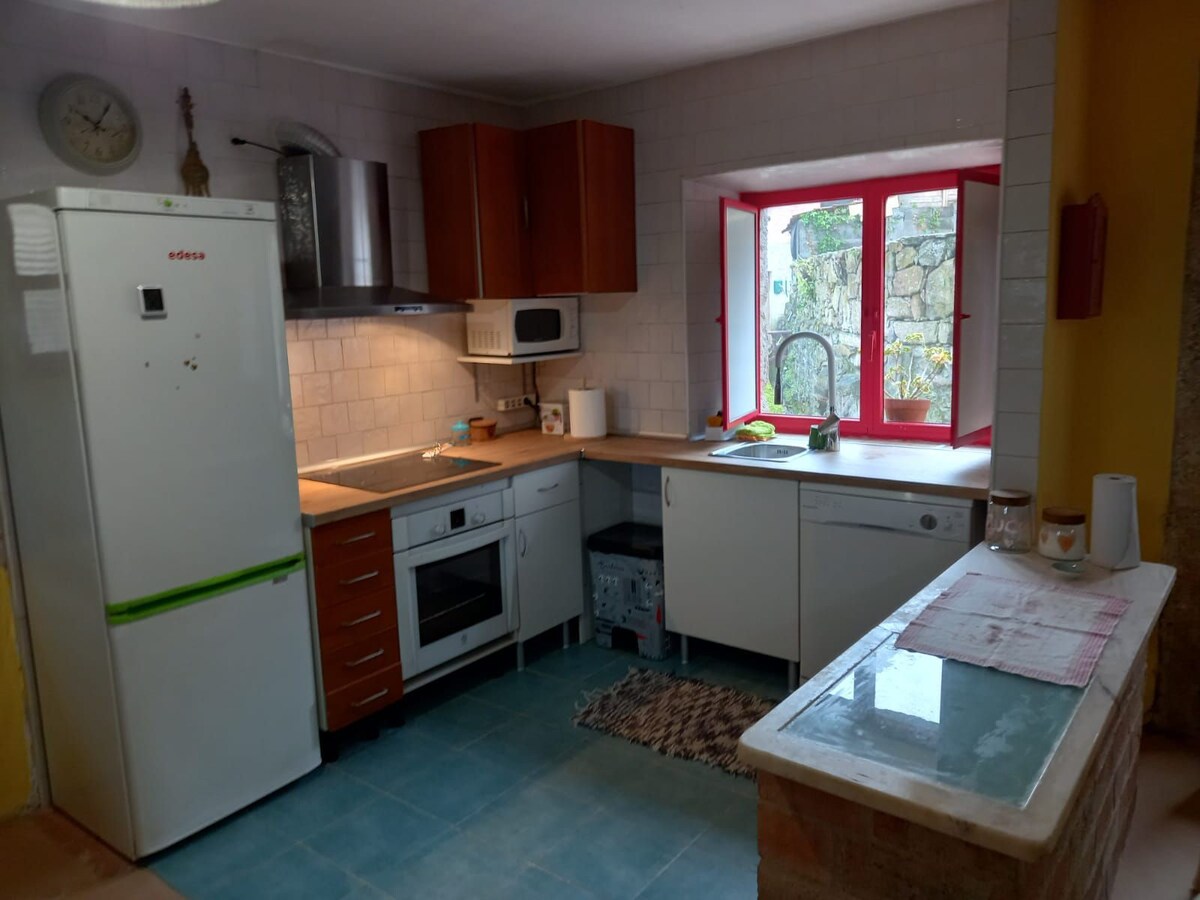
676 716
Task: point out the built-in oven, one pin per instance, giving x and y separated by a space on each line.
455 565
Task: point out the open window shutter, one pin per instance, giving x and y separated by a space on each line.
739 310
976 308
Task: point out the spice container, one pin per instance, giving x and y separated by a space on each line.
1063 534
460 434
1010 522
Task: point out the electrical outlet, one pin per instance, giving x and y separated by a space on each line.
508 404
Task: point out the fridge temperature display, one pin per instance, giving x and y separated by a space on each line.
151 299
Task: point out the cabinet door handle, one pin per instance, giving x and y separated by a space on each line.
523 542
525 211
367 618
365 659
667 491
345 582
366 535
548 488
375 696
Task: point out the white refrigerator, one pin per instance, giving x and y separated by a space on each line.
147 420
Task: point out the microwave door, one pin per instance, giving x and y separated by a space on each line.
538 326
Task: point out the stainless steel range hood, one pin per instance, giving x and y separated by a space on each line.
337 242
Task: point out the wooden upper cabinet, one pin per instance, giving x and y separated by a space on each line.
535 213
581 208
476 217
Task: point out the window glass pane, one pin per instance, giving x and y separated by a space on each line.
918 321
811 281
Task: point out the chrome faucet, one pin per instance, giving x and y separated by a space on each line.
828 429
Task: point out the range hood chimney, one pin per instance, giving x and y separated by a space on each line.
337 242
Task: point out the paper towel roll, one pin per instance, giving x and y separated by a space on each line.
1114 522
588 418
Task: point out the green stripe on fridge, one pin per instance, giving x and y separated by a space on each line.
152 605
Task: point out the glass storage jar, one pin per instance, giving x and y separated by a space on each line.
1063 533
1010 522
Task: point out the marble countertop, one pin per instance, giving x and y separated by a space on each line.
992 758
929 469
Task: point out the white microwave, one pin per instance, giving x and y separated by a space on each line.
524 327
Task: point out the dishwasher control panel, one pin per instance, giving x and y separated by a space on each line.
950 522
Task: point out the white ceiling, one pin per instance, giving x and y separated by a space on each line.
519 51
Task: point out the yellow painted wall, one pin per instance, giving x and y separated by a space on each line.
14 744
1125 113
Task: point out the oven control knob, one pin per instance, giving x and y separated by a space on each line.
439 528
478 519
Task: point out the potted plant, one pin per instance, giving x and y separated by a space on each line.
910 368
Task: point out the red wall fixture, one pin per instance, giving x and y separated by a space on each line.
1081 259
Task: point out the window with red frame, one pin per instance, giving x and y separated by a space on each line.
899 274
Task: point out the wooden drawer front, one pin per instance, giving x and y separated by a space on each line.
363 697
360 659
547 487
354 578
342 625
351 538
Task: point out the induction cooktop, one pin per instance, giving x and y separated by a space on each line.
395 472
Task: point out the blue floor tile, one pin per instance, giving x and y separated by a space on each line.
575 663
378 836
385 761
524 822
316 800
528 746
533 883
524 691
453 868
296 873
454 784
613 855
198 865
489 791
460 721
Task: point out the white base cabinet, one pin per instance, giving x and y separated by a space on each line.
549 549
731 560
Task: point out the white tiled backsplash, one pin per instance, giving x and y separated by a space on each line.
362 385
369 385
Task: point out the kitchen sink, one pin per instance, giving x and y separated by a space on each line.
763 450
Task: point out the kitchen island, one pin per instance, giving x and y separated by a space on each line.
895 774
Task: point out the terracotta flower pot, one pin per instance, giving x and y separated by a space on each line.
915 410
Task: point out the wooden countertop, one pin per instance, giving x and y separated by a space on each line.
934 470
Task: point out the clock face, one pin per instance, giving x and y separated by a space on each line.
90 124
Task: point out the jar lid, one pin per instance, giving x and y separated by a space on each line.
481 422
1063 515
1010 498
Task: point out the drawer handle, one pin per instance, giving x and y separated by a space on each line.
367 618
365 700
365 536
366 659
346 582
548 488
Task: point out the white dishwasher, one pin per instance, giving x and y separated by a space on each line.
863 554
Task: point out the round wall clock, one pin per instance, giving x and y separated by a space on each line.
90 124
